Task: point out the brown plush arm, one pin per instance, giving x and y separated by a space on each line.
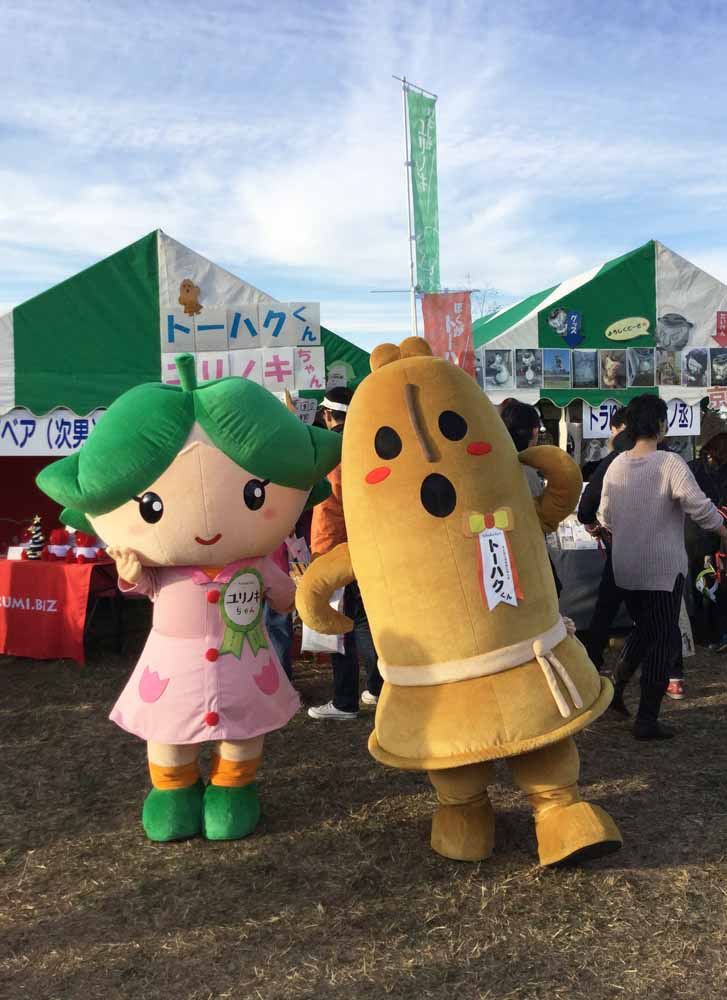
564 482
324 575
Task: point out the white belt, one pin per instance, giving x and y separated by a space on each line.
496 661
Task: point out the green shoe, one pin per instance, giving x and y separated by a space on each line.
230 813
173 814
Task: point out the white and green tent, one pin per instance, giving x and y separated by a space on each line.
83 342
648 298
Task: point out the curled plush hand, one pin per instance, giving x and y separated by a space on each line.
127 563
570 625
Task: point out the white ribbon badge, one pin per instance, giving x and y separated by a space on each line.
497 575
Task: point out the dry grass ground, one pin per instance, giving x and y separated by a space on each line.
338 893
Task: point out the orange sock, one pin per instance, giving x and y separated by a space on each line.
168 776
233 773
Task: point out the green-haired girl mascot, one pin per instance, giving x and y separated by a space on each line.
191 489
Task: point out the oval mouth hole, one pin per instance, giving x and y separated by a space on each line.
438 495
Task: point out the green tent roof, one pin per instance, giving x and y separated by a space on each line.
85 341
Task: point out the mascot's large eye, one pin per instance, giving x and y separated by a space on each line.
254 493
387 442
452 426
151 507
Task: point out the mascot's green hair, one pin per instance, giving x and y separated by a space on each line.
144 430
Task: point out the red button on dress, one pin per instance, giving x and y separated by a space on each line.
213 596
212 718
211 655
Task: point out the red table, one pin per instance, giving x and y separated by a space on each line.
43 606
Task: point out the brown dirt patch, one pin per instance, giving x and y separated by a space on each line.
338 893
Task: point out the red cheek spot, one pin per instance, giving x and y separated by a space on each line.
269 514
378 475
479 448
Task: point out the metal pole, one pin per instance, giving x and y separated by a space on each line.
413 86
412 237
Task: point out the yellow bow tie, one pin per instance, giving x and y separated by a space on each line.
501 518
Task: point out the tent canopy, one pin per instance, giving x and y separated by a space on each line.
90 338
641 299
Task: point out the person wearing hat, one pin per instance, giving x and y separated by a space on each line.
328 529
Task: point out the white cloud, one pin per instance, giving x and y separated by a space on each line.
271 137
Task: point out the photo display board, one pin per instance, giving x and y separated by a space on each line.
604 369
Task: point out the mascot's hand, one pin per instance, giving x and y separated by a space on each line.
324 575
127 563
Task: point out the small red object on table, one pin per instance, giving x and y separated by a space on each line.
43 606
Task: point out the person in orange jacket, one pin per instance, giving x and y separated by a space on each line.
328 529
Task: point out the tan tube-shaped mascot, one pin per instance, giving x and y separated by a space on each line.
447 546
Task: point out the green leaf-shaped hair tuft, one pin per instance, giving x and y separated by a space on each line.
187 371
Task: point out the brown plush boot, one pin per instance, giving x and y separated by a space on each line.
573 831
567 829
463 827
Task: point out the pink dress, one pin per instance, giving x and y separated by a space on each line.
208 670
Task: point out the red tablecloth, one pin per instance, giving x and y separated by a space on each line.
43 607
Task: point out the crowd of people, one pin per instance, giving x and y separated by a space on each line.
661 524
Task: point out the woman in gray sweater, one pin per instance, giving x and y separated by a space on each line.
646 494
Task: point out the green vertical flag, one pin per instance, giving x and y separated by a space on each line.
423 138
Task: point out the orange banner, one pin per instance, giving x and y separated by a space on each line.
448 328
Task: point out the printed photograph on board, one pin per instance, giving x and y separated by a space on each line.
498 370
556 368
718 366
613 369
695 368
594 450
668 367
639 366
585 369
558 321
528 368
683 446
672 331
480 366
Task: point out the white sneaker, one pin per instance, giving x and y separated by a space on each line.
369 699
330 711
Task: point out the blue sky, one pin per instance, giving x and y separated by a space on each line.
269 138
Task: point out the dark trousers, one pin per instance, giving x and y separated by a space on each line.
359 649
608 602
654 645
280 630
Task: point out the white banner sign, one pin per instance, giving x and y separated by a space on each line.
684 420
247 341
306 409
277 324
58 433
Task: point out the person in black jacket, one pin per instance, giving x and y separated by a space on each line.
709 619
610 596
524 425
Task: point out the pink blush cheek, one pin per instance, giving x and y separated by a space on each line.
270 514
137 530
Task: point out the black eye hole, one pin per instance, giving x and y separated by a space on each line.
387 442
452 426
151 507
254 493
